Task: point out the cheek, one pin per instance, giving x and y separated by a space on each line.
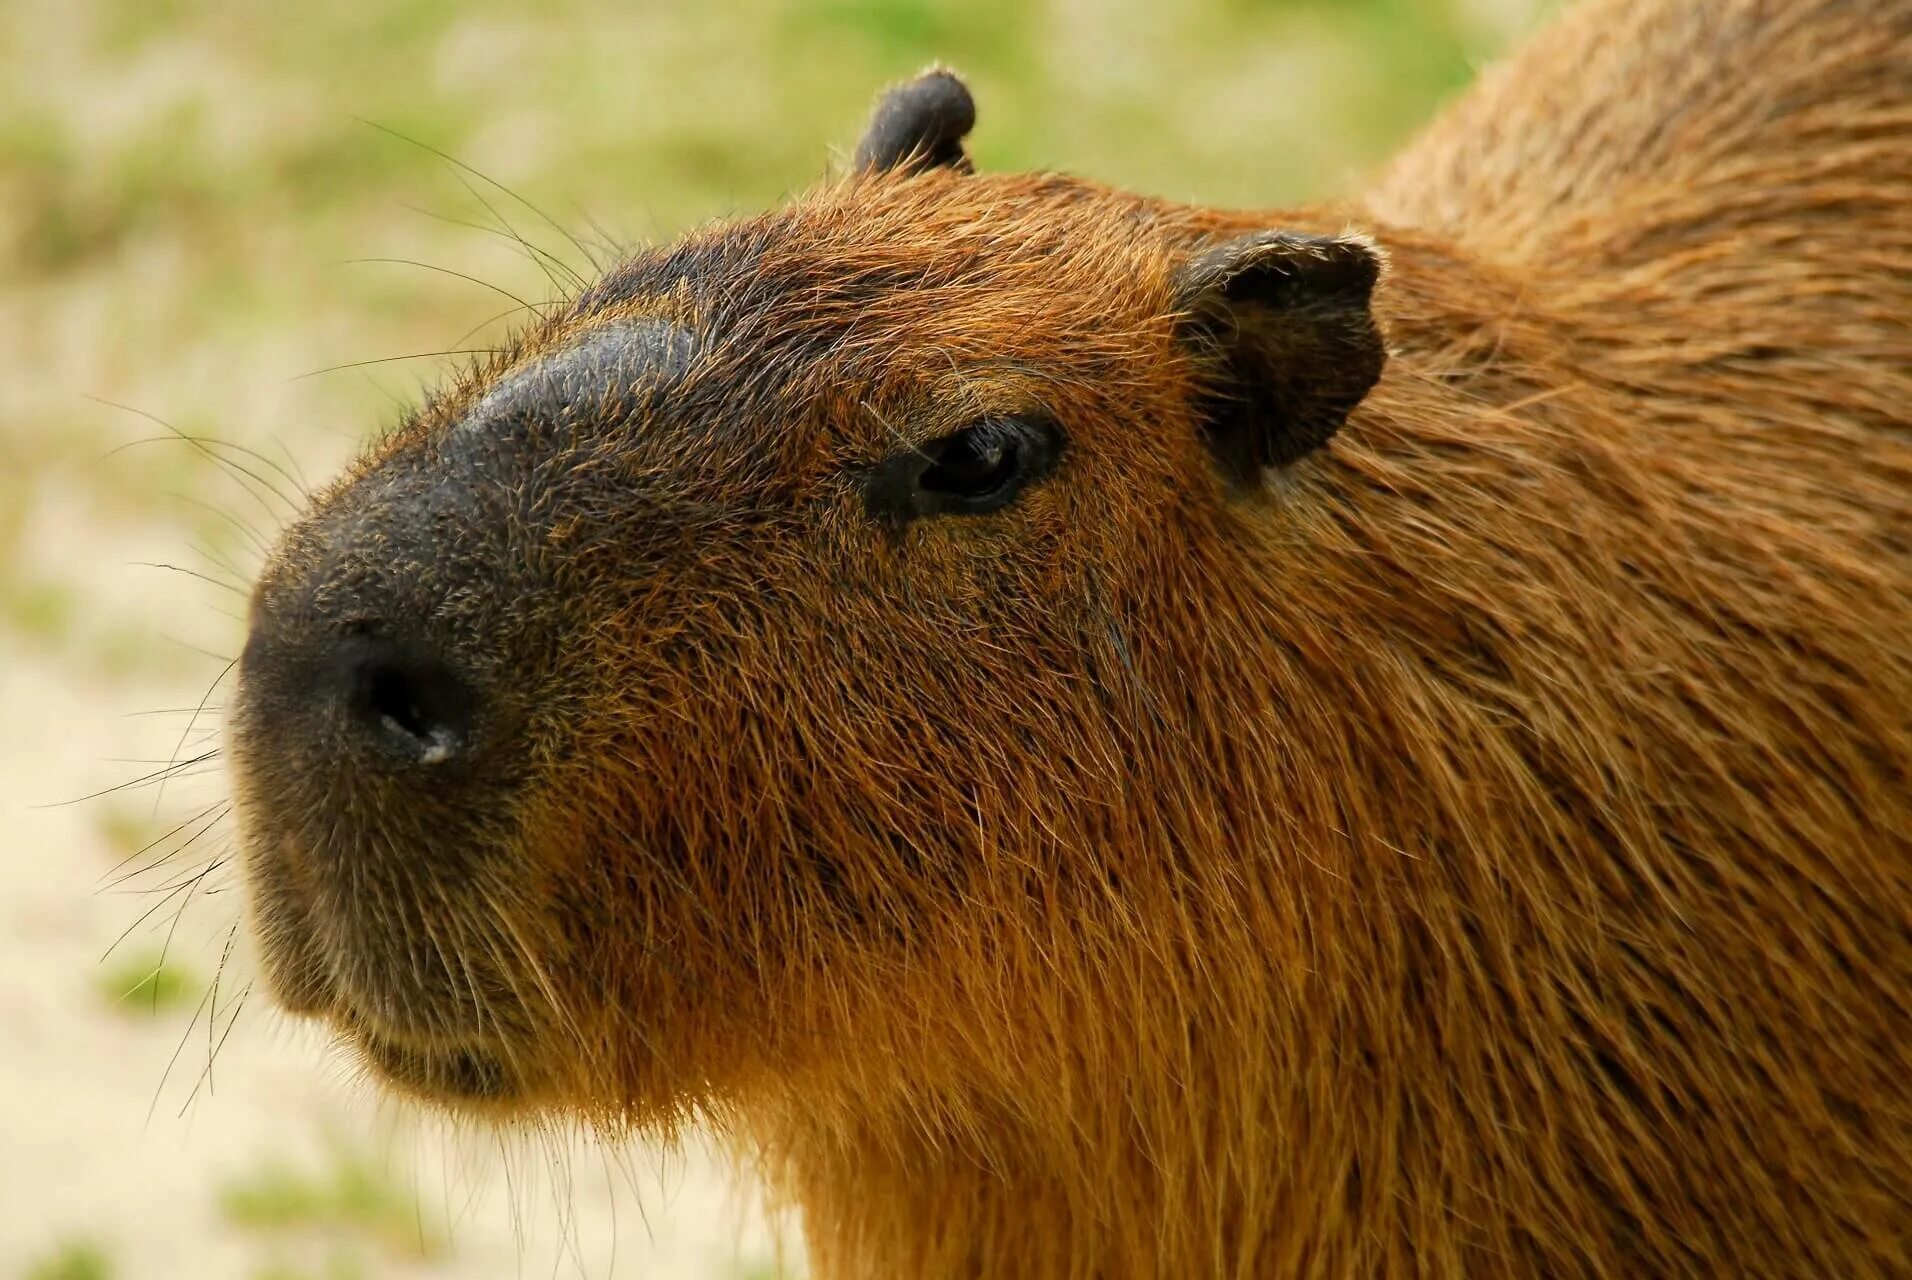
773 783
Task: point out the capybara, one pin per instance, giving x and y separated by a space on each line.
1096 737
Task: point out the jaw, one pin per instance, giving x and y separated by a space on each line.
438 1027
437 1063
477 1073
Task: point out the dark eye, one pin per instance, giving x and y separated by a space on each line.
969 472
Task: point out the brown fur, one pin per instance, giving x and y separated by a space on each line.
1485 852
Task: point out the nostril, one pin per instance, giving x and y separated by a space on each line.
414 705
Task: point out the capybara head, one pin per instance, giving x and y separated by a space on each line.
981 687
742 675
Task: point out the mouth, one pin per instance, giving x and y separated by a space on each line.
434 1041
471 1072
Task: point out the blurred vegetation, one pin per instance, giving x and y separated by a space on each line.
72 1260
148 982
230 113
349 1202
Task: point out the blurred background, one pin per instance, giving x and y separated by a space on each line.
233 221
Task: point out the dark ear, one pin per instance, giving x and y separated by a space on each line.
1284 320
920 125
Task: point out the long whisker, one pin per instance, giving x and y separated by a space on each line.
544 257
298 472
205 445
166 947
205 1076
253 537
415 355
447 271
190 573
149 779
190 647
144 916
212 1016
536 255
112 880
249 482
489 180
160 791
486 323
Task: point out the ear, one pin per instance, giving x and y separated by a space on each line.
920 125
1284 320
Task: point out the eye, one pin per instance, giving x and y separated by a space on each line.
974 465
980 469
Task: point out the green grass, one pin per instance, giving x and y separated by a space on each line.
38 610
127 828
347 1197
71 1260
144 984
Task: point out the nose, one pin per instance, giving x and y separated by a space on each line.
402 699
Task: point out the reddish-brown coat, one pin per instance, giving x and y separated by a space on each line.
1485 852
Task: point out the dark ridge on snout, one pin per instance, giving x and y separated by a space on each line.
607 372
398 626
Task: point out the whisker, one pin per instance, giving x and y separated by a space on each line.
298 472
206 445
298 487
428 266
240 475
482 325
190 573
198 771
416 355
205 1076
898 436
159 1090
160 791
533 254
144 916
454 161
542 256
252 535
214 862
166 947
222 562
158 775
106 880
612 246
212 1016
190 647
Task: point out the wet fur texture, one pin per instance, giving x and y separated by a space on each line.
1483 851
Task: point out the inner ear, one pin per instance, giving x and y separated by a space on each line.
920 125
1281 326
